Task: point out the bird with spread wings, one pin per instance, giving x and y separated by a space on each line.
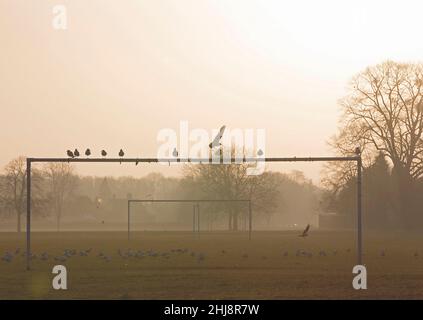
216 140
305 232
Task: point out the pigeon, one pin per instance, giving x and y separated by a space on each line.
260 152
76 153
357 151
121 154
175 152
70 154
103 153
88 152
305 232
216 140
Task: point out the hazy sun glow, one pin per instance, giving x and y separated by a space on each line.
126 69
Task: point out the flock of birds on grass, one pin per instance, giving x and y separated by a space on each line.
123 254
200 257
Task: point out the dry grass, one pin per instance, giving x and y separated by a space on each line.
256 269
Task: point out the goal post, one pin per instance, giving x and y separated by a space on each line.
196 210
356 158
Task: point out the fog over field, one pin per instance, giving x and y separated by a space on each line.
204 149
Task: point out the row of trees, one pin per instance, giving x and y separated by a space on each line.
51 185
383 114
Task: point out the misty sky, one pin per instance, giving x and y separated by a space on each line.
126 69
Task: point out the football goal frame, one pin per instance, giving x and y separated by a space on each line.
196 210
357 158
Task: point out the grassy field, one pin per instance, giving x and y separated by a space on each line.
273 265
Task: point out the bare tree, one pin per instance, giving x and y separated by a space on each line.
383 112
14 188
231 181
62 182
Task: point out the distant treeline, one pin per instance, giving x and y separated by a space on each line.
61 195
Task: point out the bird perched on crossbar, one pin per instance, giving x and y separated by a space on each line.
70 154
357 151
121 154
88 152
76 153
103 153
305 232
175 152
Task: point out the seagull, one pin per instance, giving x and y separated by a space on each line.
200 257
83 253
175 152
88 152
216 140
7 257
70 154
121 154
44 256
76 153
103 153
322 253
305 232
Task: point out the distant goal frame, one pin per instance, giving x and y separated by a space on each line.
357 158
196 211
